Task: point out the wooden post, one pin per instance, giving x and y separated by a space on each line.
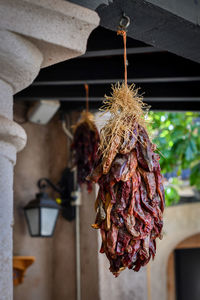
149 281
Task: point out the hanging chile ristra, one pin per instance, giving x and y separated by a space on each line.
130 200
85 145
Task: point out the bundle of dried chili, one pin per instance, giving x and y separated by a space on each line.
130 200
85 146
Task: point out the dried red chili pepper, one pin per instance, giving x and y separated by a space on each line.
85 147
131 200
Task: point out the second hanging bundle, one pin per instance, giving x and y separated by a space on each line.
85 145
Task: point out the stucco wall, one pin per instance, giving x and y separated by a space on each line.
32 164
52 276
128 286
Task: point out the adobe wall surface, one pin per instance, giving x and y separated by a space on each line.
52 276
34 163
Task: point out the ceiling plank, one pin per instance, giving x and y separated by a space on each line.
113 52
99 99
151 65
110 81
154 26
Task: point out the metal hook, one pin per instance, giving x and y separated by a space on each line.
124 22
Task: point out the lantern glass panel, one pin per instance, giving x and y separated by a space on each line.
48 220
33 220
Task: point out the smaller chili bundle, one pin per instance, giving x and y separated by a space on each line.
130 201
85 146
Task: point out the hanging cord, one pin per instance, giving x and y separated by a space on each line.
87 97
123 25
123 33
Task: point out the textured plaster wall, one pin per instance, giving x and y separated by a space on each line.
128 286
52 276
89 248
63 258
32 164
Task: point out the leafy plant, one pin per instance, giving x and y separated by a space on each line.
177 136
171 196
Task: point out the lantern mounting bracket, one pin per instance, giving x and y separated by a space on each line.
69 196
44 182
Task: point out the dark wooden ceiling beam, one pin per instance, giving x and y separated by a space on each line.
154 26
162 89
113 52
152 65
111 81
99 99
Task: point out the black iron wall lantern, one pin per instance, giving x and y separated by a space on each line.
42 213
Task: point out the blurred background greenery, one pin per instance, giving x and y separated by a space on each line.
177 136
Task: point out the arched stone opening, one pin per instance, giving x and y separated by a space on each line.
181 222
188 243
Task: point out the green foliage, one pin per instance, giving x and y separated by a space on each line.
177 136
194 177
171 196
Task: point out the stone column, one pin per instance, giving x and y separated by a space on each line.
33 34
12 139
20 62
